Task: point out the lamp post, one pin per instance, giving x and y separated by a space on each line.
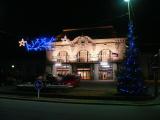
129 11
156 68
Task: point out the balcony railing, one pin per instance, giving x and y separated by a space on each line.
80 60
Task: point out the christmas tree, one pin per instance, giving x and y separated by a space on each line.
130 81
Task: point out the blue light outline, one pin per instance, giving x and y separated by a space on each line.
40 44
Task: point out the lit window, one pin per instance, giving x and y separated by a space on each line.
83 56
63 56
105 55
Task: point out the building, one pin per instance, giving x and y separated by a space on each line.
86 55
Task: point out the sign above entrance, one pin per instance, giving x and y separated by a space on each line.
104 64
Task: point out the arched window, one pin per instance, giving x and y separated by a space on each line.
83 56
62 56
105 55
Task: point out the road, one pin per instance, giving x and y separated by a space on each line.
32 110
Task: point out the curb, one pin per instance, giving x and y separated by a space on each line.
78 101
63 96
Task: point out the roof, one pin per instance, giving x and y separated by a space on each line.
93 32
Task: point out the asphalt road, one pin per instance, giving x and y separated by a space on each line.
32 110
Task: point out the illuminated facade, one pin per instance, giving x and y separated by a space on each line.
92 59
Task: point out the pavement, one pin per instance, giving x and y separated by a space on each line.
95 93
33 110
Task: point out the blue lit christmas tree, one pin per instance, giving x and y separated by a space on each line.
130 81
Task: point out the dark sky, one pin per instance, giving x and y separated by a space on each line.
26 18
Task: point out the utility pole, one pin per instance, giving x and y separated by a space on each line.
156 68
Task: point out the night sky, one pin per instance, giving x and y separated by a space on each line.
25 18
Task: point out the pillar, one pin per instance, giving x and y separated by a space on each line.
96 72
114 66
54 69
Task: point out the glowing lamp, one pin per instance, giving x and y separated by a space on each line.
12 66
104 64
126 0
58 64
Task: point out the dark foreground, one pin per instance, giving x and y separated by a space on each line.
33 110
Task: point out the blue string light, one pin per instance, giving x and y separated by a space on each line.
130 80
40 44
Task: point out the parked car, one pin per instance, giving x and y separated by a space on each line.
70 80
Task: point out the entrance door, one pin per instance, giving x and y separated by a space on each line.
105 75
84 73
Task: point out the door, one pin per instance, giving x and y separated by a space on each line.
105 75
85 73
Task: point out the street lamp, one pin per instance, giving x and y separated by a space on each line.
126 0
129 11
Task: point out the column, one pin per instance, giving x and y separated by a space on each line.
54 69
114 66
96 72
70 69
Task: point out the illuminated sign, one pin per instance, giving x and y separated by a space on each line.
58 64
104 64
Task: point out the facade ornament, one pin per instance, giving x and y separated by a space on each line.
117 44
65 39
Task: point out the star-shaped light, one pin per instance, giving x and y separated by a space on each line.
65 39
22 43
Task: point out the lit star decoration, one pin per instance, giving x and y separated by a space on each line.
40 44
65 39
22 43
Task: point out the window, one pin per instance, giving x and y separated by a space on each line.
105 55
62 56
83 56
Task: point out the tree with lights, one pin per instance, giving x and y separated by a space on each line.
130 81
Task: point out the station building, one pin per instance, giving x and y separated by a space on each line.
92 54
